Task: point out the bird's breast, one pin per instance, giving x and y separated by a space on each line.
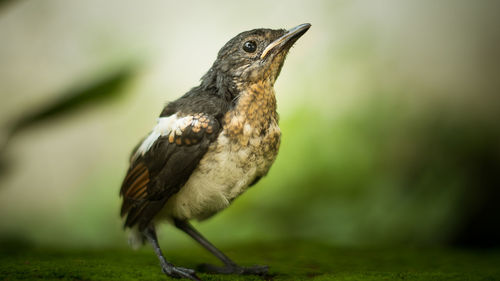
224 173
244 150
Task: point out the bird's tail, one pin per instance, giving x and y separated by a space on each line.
135 238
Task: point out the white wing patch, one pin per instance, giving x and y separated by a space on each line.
164 127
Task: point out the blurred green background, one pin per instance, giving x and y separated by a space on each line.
389 114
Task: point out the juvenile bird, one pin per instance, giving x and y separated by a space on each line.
209 146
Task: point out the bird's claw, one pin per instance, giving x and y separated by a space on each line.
180 272
234 269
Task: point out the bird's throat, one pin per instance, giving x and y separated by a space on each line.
254 111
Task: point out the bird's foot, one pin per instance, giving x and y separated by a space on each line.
234 269
180 272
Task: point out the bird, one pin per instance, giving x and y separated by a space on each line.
209 146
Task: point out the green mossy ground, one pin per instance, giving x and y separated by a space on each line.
288 261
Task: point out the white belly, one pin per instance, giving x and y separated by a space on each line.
224 173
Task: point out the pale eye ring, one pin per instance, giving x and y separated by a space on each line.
250 46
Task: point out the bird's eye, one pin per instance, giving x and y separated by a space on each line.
250 46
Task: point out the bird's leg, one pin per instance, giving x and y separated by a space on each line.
167 268
230 267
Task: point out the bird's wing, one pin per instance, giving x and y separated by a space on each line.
163 162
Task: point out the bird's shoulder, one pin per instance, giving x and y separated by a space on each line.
195 116
212 102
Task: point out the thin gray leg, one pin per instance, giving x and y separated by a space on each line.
230 267
167 268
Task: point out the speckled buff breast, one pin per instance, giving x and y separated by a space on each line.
244 152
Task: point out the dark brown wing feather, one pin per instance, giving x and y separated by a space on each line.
158 174
137 181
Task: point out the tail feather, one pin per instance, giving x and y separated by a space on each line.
135 238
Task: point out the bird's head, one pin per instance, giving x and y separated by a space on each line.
253 56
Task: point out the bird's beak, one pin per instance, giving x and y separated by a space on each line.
286 40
